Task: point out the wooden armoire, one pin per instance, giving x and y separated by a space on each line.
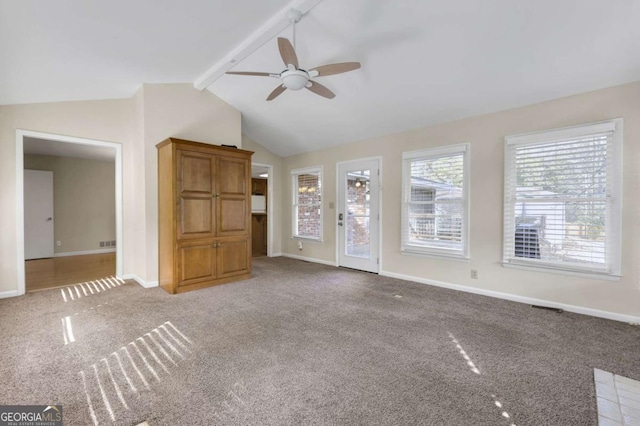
204 217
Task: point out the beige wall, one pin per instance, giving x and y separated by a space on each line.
486 137
160 111
83 198
264 156
154 113
136 190
178 110
106 120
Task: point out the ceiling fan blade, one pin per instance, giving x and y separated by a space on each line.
335 68
259 74
276 92
319 89
287 52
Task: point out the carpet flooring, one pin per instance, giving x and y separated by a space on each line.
305 344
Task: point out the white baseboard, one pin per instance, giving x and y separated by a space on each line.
143 283
515 298
309 259
10 293
80 253
275 255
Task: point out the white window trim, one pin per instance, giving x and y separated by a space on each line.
613 270
294 195
432 252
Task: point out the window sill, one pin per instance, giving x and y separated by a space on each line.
310 239
572 272
438 256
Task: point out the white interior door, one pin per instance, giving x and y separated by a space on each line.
358 218
38 214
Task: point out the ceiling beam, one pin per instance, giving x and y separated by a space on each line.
257 39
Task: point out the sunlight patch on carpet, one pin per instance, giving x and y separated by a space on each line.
118 378
473 368
88 288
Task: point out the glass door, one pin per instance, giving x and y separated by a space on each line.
358 218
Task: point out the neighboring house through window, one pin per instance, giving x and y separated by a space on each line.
435 201
307 203
563 199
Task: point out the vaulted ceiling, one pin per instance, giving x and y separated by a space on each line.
423 61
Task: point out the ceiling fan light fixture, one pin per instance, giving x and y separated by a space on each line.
294 79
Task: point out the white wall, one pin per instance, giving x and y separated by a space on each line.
486 135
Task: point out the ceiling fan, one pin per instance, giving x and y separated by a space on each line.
295 78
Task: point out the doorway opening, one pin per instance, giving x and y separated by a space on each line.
261 209
87 242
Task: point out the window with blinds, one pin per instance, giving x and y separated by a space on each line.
562 199
307 203
435 201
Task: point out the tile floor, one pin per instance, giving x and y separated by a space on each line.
618 399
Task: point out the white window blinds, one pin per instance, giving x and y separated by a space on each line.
562 199
307 203
434 208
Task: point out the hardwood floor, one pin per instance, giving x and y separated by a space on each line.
43 274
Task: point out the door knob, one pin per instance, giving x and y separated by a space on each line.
339 223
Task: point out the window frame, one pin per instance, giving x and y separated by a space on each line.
613 219
295 173
426 154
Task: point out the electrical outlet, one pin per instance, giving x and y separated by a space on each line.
58 243
474 274
101 243
107 243
113 243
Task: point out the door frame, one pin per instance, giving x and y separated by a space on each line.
380 204
269 206
20 134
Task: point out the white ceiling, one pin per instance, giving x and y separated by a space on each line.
423 61
56 50
66 149
256 171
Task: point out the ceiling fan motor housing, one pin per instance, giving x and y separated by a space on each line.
294 79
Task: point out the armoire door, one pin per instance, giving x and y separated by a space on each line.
197 261
234 257
196 195
234 176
